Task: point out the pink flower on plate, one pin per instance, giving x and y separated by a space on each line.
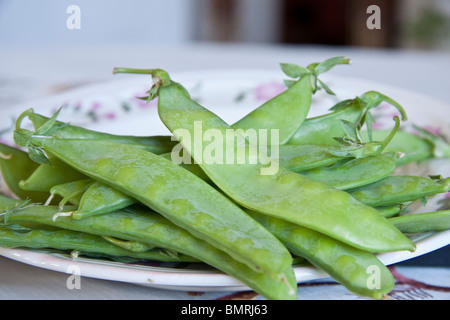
268 90
95 106
434 130
109 115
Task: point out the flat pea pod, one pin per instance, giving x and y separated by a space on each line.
16 166
399 189
100 198
47 176
155 144
295 101
152 228
355 172
175 193
79 241
422 222
346 264
279 192
322 129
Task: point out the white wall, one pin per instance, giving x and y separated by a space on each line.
43 22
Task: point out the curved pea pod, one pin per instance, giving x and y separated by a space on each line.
155 144
100 198
349 266
399 189
175 193
152 228
16 166
322 129
294 102
422 222
79 241
71 191
49 175
355 172
270 188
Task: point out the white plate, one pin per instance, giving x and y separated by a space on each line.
112 107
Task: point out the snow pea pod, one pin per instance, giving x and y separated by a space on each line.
355 172
304 157
155 144
412 147
149 227
79 241
16 166
175 193
347 265
399 189
49 175
389 211
415 147
280 192
100 198
295 101
422 222
322 129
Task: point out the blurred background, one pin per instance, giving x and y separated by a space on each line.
418 24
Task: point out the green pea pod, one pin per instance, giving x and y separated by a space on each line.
354 173
177 194
295 102
155 144
422 222
412 147
16 166
71 191
100 198
152 228
322 129
305 157
272 189
47 176
399 189
351 267
79 241
389 211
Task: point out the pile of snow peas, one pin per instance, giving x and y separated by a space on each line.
334 200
